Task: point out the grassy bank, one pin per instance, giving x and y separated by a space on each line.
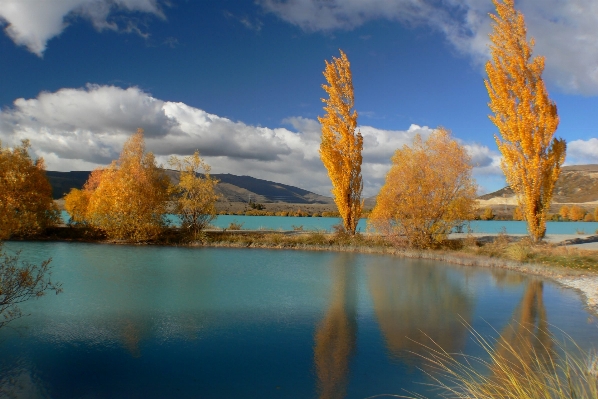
487 251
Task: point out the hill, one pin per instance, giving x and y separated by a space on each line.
232 188
576 184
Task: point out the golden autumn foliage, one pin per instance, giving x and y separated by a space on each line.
195 194
576 213
564 212
428 191
488 214
517 215
341 147
26 205
525 117
128 199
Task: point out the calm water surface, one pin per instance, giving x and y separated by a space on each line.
157 322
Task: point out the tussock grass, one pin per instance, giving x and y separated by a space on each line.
513 369
523 250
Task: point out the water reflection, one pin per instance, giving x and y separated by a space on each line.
335 336
526 341
415 302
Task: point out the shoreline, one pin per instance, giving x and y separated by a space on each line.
584 282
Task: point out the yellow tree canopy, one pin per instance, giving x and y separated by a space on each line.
26 204
428 191
525 117
128 199
341 147
195 194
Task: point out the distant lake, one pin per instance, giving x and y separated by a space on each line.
169 322
286 223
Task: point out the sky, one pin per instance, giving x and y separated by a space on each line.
240 80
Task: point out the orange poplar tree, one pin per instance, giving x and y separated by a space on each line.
525 117
341 147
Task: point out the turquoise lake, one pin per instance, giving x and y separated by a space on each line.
320 223
171 322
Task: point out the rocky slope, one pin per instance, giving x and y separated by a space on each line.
576 184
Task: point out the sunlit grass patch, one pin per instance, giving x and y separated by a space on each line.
520 367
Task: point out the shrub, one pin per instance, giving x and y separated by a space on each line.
195 195
564 212
488 214
234 225
428 191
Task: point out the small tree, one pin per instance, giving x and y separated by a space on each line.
428 191
488 214
26 204
195 194
128 199
340 149
525 117
564 212
517 215
19 282
577 213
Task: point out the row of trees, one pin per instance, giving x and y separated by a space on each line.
577 213
129 199
429 188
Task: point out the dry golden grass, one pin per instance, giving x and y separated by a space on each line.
525 251
551 370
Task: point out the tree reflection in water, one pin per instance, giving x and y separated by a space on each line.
415 302
525 344
336 334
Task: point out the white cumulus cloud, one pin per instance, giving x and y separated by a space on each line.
80 129
565 31
32 23
582 152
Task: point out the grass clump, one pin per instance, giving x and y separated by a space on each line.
514 368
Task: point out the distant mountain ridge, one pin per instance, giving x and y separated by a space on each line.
576 184
232 188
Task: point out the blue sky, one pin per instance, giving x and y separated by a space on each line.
241 80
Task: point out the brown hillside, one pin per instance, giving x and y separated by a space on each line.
576 184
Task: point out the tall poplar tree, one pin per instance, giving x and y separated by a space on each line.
341 147
525 117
